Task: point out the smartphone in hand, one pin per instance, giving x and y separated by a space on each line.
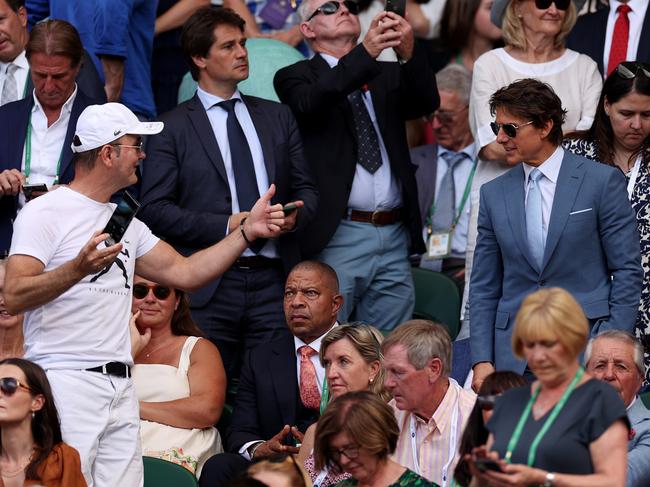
397 6
289 208
30 189
485 464
124 213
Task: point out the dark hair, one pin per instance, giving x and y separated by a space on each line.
532 100
244 480
182 322
197 36
365 418
601 133
55 38
476 434
457 23
46 429
15 4
328 274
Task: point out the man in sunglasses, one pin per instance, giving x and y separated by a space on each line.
615 34
351 111
75 288
554 219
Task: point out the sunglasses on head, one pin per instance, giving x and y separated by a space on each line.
486 402
559 4
331 7
631 70
9 386
140 291
510 129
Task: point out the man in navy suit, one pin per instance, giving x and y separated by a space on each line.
593 33
38 130
219 152
616 357
555 219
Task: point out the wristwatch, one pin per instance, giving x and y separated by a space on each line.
550 480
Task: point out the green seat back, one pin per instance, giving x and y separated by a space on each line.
645 397
436 299
161 473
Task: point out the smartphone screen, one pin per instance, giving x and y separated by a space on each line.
126 209
484 464
397 6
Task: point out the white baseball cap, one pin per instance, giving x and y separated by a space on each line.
99 125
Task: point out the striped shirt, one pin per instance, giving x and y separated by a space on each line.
433 437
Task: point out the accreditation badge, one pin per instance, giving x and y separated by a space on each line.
439 245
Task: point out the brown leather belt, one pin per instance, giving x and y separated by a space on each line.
257 262
377 218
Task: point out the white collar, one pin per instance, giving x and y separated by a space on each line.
635 5
208 100
550 167
297 342
20 61
470 150
66 108
329 59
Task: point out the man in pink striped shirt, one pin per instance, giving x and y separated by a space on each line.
431 409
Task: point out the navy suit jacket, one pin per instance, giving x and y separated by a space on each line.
267 394
14 119
425 160
638 448
588 37
185 191
318 96
592 251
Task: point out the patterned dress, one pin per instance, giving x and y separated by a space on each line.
330 479
641 204
408 479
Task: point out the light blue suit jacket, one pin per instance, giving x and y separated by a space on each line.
638 448
592 250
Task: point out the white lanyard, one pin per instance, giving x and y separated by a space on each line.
452 437
634 173
321 476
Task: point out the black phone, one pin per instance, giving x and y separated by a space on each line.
397 6
289 208
485 464
29 189
126 209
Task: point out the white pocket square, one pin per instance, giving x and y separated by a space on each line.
580 211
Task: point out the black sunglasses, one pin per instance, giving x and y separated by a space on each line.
486 403
559 4
140 291
510 129
329 8
631 70
9 386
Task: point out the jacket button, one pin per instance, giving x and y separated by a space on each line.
542 282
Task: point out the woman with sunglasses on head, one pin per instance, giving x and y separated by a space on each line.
620 137
352 358
11 326
534 33
31 449
179 379
565 429
356 434
476 434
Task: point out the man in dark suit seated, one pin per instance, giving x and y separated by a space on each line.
37 131
219 152
615 34
351 111
616 357
281 381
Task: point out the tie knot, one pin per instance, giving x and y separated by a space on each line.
453 158
228 105
306 352
624 9
534 175
11 69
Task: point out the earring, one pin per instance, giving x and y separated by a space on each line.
33 414
372 379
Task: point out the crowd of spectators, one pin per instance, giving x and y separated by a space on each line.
226 283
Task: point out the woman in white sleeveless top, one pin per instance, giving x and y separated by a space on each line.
179 379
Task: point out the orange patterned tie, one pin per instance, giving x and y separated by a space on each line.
309 394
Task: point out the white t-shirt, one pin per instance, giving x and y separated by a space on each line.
87 325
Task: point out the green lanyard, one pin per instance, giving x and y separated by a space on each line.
516 435
325 396
28 154
468 189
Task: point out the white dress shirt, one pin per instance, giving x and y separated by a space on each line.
550 169
218 118
47 144
378 190
20 75
636 16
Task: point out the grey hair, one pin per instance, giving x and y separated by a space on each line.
624 337
455 78
423 341
304 10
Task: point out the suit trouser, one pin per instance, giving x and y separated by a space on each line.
100 417
374 273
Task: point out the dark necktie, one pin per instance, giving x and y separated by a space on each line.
620 37
367 141
242 164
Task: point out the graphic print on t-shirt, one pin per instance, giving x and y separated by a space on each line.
118 263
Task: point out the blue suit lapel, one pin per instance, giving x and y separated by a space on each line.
205 135
263 133
516 209
78 106
568 183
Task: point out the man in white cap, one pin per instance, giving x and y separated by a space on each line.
77 303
